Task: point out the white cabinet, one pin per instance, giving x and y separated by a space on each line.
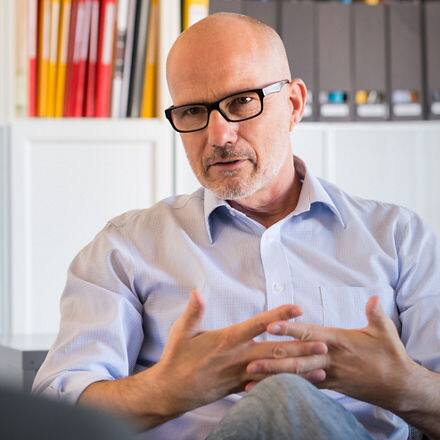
66 179
391 161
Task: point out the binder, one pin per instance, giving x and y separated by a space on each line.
32 57
107 19
118 65
370 88
432 38
90 88
63 41
22 7
297 29
263 10
128 55
53 49
334 61
138 62
148 106
43 56
406 85
225 6
193 11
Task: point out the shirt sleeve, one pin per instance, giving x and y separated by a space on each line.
418 292
101 332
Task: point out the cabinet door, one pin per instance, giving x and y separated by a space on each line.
395 163
67 179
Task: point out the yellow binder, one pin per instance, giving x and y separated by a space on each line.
52 74
63 42
150 69
193 11
43 56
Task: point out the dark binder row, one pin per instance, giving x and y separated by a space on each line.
359 61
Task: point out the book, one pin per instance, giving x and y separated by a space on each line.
75 39
89 109
193 11
128 55
148 109
169 29
138 63
53 49
21 58
68 89
118 64
32 33
83 47
43 56
63 41
107 15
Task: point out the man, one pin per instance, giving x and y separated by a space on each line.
263 243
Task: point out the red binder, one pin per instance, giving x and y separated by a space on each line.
107 20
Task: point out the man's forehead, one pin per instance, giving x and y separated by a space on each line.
213 75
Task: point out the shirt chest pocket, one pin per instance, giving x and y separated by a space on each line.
344 306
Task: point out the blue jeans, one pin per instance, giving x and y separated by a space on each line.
288 407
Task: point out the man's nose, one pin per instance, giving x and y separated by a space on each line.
220 131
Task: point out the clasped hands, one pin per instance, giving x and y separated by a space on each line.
197 368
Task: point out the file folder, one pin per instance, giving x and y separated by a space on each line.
225 6
263 10
297 29
370 91
407 101
432 36
334 61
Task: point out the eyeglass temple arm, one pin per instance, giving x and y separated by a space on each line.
273 88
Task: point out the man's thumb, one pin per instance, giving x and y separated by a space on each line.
192 315
375 313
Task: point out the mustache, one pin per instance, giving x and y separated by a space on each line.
221 153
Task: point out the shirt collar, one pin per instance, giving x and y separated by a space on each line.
312 192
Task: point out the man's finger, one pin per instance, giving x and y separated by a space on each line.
283 349
257 325
315 376
303 331
189 320
297 365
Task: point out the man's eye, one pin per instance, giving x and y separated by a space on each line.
192 111
240 100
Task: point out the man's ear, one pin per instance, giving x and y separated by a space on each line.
298 98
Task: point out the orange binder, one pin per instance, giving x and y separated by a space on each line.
53 49
63 42
43 56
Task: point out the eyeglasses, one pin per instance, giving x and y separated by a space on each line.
234 108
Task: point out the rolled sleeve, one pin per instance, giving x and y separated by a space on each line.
101 330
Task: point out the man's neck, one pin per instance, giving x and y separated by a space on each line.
267 207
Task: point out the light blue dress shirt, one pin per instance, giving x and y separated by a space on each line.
126 288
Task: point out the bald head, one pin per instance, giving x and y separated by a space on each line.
221 51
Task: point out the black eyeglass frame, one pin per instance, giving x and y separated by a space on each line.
262 93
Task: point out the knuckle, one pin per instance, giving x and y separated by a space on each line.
226 341
306 334
279 352
260 327
297 366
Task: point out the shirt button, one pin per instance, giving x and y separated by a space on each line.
278 287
